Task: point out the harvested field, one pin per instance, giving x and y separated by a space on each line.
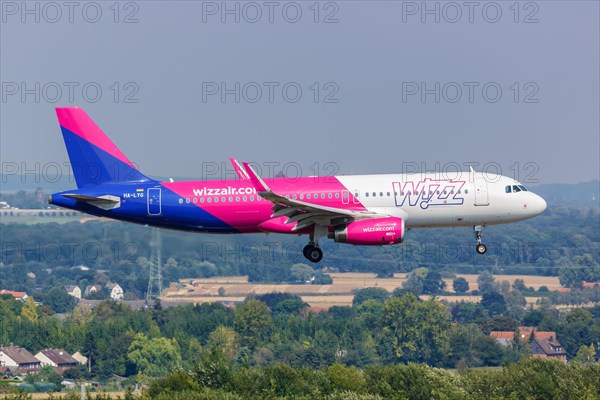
236 288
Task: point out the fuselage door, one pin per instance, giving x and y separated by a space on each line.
481 192
154 199
345 197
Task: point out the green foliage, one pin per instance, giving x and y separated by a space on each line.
253 322
460 285
433 283
154 357
417 331
59 300
302 272
371 293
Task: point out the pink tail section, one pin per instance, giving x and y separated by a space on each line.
78 122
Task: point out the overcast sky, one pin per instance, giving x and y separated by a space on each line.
384 86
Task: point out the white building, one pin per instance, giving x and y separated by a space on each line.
74 291
115 291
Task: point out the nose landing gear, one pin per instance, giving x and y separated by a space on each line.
480 247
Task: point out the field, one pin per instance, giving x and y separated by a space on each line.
236 288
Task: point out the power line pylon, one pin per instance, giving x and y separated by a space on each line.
155 264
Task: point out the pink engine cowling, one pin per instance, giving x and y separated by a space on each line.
371 232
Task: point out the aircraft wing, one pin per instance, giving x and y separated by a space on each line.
303 213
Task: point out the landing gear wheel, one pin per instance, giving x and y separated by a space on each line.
313 253
307 249
481 248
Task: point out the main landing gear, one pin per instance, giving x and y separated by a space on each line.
312 251
480 247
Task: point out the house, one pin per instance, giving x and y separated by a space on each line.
17 295
542 344
89 289
73 291
115 291
18 360
81 359
57 358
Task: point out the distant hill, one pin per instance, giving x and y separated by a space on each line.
585 194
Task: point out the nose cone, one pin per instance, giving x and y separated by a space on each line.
537 205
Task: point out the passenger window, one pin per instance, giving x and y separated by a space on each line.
507 189
367 194
308 196
374 194
301 196
195 199
337 196
180 201
381 194
322 195
329 195
237 198
388 193
245 198
216 199
209 199
251 198
201 199
466 191
294 197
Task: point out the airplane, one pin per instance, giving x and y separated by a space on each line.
368 210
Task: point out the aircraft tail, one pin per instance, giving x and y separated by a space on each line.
94 157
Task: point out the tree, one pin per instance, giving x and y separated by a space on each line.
154 357
372 293
466 312
60 301
494 303
416 280
433 283
30 311
486 282
460 285
519 284
416 330
223 339
252 321
302 272
585 354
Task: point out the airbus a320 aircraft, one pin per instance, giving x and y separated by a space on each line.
364 210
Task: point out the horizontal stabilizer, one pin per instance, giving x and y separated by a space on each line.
106 202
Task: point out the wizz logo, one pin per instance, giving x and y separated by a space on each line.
429 192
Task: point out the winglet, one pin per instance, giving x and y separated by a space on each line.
257 181
243 175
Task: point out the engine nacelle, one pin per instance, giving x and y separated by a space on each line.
371 232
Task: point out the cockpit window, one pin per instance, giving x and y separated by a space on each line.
508 189
516 188
522 188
